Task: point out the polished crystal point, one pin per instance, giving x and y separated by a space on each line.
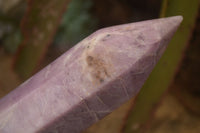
89 81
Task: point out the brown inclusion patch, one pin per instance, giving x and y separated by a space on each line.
98 68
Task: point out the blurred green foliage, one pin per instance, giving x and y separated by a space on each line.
12 41
77 23
10 35
11 13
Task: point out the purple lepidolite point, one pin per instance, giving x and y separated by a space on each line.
89 81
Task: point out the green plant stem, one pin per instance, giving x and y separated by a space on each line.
163 74
38 26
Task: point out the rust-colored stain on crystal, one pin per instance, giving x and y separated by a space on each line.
98 68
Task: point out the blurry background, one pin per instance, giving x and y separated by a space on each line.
35 32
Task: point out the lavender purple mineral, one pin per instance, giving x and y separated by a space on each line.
89 81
